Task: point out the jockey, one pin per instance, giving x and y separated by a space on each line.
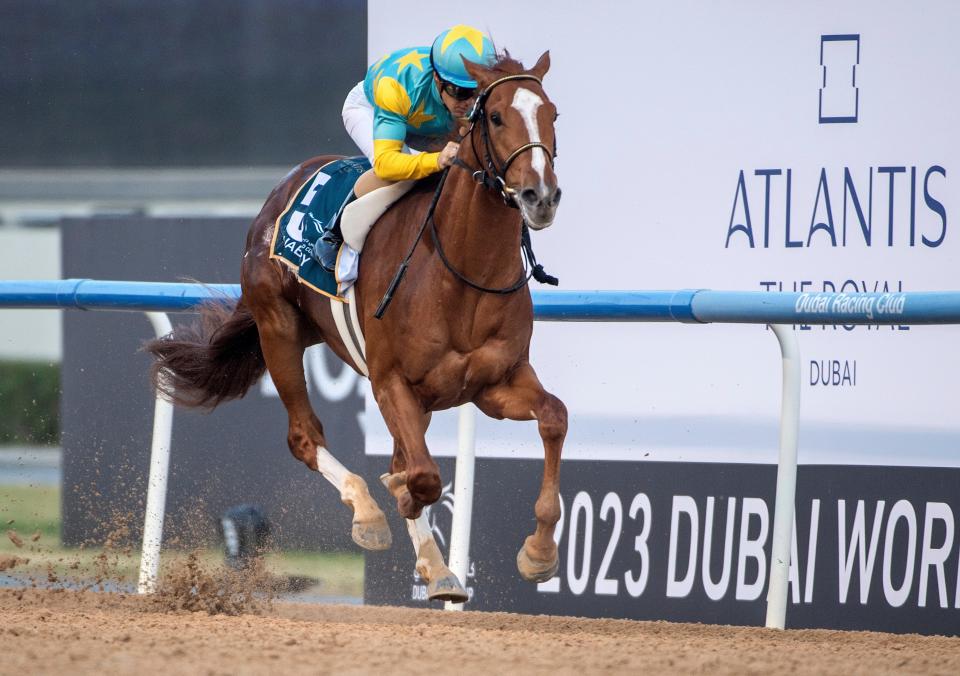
414 96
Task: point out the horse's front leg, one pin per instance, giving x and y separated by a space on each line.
412 469
407 421
522 397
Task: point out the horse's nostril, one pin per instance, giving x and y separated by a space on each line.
530 196
556 197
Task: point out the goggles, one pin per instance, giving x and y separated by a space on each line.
457 92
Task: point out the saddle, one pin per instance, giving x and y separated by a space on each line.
321 232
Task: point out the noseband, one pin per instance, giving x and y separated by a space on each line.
493 174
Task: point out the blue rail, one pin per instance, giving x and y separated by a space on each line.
691 305
749 307
90 294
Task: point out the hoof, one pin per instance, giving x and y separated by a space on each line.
447 588
373 535
536 571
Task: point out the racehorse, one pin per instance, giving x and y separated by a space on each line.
458 329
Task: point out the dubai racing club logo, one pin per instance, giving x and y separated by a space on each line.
440 516
839 94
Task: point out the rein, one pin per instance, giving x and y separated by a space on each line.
528 262
493 177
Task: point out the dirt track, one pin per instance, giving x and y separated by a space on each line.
79 633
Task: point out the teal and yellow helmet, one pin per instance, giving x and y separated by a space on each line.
460 41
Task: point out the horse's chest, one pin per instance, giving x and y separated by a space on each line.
457 376
448 351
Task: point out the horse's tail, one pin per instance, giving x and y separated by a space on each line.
211 361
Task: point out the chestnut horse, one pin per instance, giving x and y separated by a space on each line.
458 329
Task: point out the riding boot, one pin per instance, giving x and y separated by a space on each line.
327 246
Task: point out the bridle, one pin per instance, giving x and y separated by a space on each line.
491 175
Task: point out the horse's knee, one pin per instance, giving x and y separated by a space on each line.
553 419
424 485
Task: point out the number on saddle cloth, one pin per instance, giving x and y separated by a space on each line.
310 223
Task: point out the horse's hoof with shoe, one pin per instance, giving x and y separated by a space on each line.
537 570
373 535
370 528
447 588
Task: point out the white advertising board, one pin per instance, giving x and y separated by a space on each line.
743 146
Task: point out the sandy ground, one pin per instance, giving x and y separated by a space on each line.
87 632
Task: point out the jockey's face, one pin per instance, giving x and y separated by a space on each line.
458 107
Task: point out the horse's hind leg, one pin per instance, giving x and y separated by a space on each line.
283 340
523 398
442 583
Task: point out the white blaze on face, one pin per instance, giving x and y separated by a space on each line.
527 103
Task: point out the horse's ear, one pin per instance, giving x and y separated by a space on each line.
543 65
477 72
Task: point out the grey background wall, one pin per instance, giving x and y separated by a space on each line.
222 82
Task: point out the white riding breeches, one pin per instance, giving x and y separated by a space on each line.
358 119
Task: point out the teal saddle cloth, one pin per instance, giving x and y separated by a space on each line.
311 212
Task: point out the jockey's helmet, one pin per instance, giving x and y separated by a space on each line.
455 42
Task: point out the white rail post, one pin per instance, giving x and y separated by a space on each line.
786 478
157 485
463 498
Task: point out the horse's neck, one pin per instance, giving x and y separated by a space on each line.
479 234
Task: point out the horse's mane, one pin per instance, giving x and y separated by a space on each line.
505 65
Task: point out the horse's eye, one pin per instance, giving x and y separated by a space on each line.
496 119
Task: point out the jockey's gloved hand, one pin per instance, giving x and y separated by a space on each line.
448 154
